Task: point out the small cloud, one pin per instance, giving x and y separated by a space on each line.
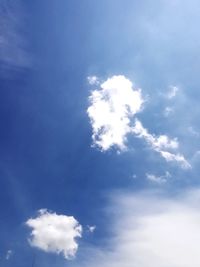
134 176
158 179
9 254
55 233
173 90
91 228
92 80
168 111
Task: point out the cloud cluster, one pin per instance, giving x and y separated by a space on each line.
152 230
55 233
112 112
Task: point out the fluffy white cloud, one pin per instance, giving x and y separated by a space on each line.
55 233
151 230
112 107
112 113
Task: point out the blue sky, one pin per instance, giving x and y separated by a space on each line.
99 140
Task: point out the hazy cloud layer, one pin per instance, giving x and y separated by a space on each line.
152 230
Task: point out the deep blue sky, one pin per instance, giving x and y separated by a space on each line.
46 158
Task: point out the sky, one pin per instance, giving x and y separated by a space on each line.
100 133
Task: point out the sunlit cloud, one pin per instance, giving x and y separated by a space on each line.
112 111
55 233
111 108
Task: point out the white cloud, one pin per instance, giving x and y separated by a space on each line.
173 90
162 144
55 233
157 142
112 113
151 230
112 107
176 157
158 179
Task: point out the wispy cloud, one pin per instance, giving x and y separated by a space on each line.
13 51
158 179
162 144
172 92
55 233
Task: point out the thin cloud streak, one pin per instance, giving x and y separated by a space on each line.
13 52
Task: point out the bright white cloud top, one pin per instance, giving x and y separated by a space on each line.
55 233
112 112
